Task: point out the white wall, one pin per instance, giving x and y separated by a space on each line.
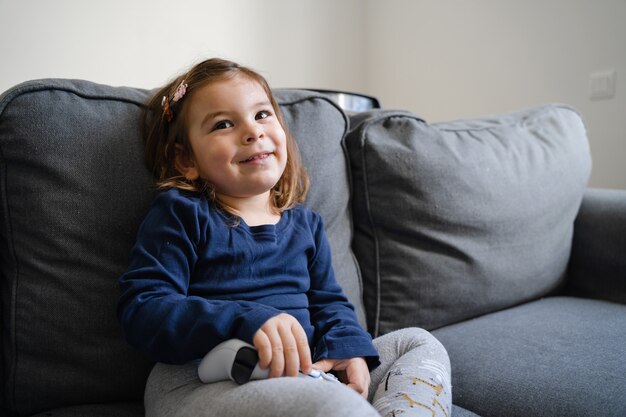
143 43
464 58
443 59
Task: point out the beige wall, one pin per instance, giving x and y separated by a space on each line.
449 59
443 59
294 43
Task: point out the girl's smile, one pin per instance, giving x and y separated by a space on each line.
257 158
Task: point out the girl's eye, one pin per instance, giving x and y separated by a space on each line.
262 115
224 124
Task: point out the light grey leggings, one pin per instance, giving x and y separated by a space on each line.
412 380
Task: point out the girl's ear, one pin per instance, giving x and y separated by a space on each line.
185 164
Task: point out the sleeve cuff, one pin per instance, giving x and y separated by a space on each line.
347 347
252 322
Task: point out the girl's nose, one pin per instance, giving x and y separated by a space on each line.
253 134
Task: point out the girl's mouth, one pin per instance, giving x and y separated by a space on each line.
257 157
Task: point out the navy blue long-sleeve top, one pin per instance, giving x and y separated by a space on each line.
195 280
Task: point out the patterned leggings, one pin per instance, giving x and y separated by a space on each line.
414 377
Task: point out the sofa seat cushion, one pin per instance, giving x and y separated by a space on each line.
462 412
458 219
558 356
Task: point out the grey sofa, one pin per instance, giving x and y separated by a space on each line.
482 231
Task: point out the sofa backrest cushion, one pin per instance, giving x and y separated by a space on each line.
73 190
454 220
319 126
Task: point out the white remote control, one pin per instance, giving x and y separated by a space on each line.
239 361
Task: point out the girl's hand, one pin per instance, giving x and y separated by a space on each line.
283 346
353 372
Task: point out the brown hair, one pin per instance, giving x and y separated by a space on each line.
164 128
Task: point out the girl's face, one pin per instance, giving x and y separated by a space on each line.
238 143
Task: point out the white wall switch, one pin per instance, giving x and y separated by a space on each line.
602 84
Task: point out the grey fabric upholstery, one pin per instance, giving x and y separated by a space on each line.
319 126
461 412
458 219
598 262
72 195
73 191
559 356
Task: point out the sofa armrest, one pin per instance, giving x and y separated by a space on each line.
597 267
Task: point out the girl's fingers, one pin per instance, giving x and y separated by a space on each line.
291 358
283 345
277 364
264 348
324 365
302 347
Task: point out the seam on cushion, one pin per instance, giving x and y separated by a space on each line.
357 266
374 232
9 370
346 157
382 117
49 85
529 118
318 97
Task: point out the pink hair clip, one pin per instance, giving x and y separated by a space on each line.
180 91
165 102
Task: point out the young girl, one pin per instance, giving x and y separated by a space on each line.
227 251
